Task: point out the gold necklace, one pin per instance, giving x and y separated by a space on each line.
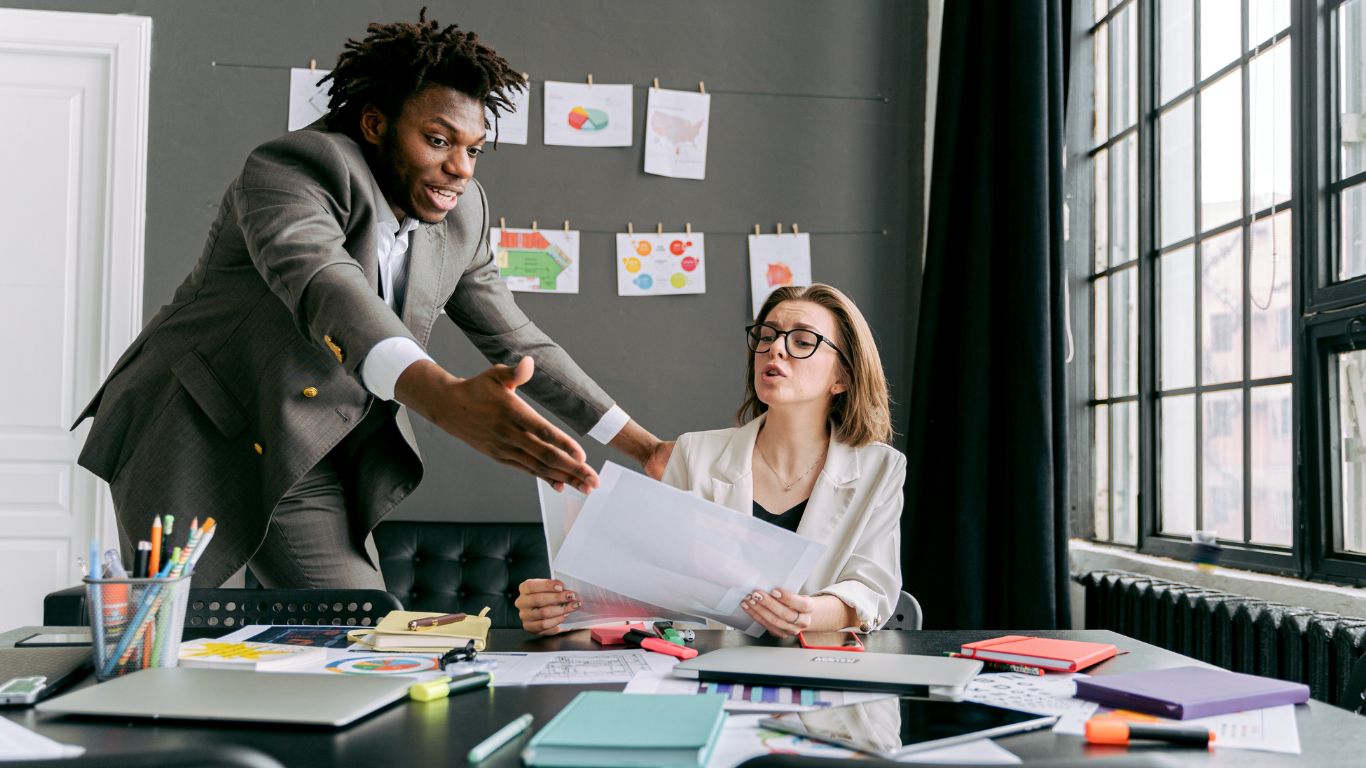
786 485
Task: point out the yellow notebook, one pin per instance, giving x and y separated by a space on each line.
392 633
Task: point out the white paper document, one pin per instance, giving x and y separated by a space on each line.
742 738
776 261
600 606
579 115
657 544
1272 729
676 133
19 743
575 667
661 264
1049 694
537 260
307 100
511 125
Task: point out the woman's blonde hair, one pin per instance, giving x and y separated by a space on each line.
861 414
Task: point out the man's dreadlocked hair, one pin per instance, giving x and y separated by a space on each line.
396 61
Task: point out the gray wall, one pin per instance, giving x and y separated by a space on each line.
674 363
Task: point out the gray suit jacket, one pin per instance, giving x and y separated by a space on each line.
250 375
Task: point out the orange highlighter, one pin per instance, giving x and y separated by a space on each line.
654 643
1112 730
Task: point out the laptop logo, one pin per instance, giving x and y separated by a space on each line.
835 659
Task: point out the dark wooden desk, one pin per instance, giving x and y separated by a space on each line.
413 734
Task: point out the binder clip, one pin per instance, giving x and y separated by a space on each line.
464 661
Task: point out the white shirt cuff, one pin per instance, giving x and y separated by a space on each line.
387 360
609 425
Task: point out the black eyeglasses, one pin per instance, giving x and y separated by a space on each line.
800 343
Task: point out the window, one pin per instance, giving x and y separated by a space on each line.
1221 342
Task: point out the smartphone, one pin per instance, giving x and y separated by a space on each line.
830 641
54 640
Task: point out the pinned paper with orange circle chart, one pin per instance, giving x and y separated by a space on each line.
661 264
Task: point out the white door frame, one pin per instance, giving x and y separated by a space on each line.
126 43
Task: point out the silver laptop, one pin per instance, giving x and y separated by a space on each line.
843 670
229 694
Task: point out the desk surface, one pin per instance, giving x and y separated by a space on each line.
414 734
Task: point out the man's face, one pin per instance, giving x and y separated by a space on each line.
426 156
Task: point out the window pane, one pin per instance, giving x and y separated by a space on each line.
1221 32
1269 108
1221 151
1352 428
1124 69
1101 452
1269 284
1176 172
1176 59
1352 213
1101 372
1265 18
1124 330
1124 199
1178 464
1223 464
1352 86
1100 87
1178 321
1100 211
1124 455
1221 308
1272 465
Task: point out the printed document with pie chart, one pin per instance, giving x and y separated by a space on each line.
661 265
581 115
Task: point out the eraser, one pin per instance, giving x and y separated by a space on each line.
614 634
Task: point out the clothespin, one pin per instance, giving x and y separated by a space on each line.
590 78
313 65
701 87
756 229
780 227
656 83
659 228
795 231
566 225
535 224
526 78
630 228
502 222
687 228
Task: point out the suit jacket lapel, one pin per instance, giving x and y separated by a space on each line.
732 475
426 265
832 493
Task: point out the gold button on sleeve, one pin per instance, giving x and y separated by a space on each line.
260 449
310 391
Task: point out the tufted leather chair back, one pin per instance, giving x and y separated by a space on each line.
432 566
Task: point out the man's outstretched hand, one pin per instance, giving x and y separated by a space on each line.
486 412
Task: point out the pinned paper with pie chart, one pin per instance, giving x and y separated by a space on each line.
775 261
661 264
580 115
537 260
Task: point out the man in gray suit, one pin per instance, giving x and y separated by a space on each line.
268 393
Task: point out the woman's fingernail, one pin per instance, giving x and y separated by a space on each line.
574 606
778 594
559 587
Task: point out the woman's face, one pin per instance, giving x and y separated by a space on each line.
783 380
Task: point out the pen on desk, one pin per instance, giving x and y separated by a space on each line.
1112 730
435 621
442 687
499 739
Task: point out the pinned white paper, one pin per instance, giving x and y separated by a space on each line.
511 124
307 100
661 264
676 133
537 260
579 115
776 261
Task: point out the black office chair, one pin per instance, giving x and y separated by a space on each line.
907 613
211 612
200 757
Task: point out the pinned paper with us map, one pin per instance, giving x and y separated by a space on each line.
580 115
661 264
775 261
537 260
676 133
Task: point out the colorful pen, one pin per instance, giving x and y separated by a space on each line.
435 621
651 643
1112 730
154 559
499 739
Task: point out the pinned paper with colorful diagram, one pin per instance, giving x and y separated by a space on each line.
512 123
775 261
537 260
579 115
307 100
676 133
661 264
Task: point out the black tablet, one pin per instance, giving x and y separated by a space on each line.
892 727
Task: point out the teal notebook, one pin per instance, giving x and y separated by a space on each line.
602 728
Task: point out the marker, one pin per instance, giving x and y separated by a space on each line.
651 643
141 559
442 687
1111 730
167 526
435 621
499 739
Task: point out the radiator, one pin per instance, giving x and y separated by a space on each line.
1239 633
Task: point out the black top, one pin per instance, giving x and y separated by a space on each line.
789 519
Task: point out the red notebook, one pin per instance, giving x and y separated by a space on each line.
1055 655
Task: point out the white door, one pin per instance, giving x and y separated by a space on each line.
73 145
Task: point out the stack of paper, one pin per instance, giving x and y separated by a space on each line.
246 655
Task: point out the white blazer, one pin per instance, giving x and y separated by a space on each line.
854 509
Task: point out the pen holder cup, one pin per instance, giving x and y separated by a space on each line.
135 623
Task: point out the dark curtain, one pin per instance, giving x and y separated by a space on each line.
985 527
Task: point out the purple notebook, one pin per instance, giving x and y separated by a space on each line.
1184 693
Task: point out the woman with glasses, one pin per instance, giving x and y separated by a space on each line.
811 457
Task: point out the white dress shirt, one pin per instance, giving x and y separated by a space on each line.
389 358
